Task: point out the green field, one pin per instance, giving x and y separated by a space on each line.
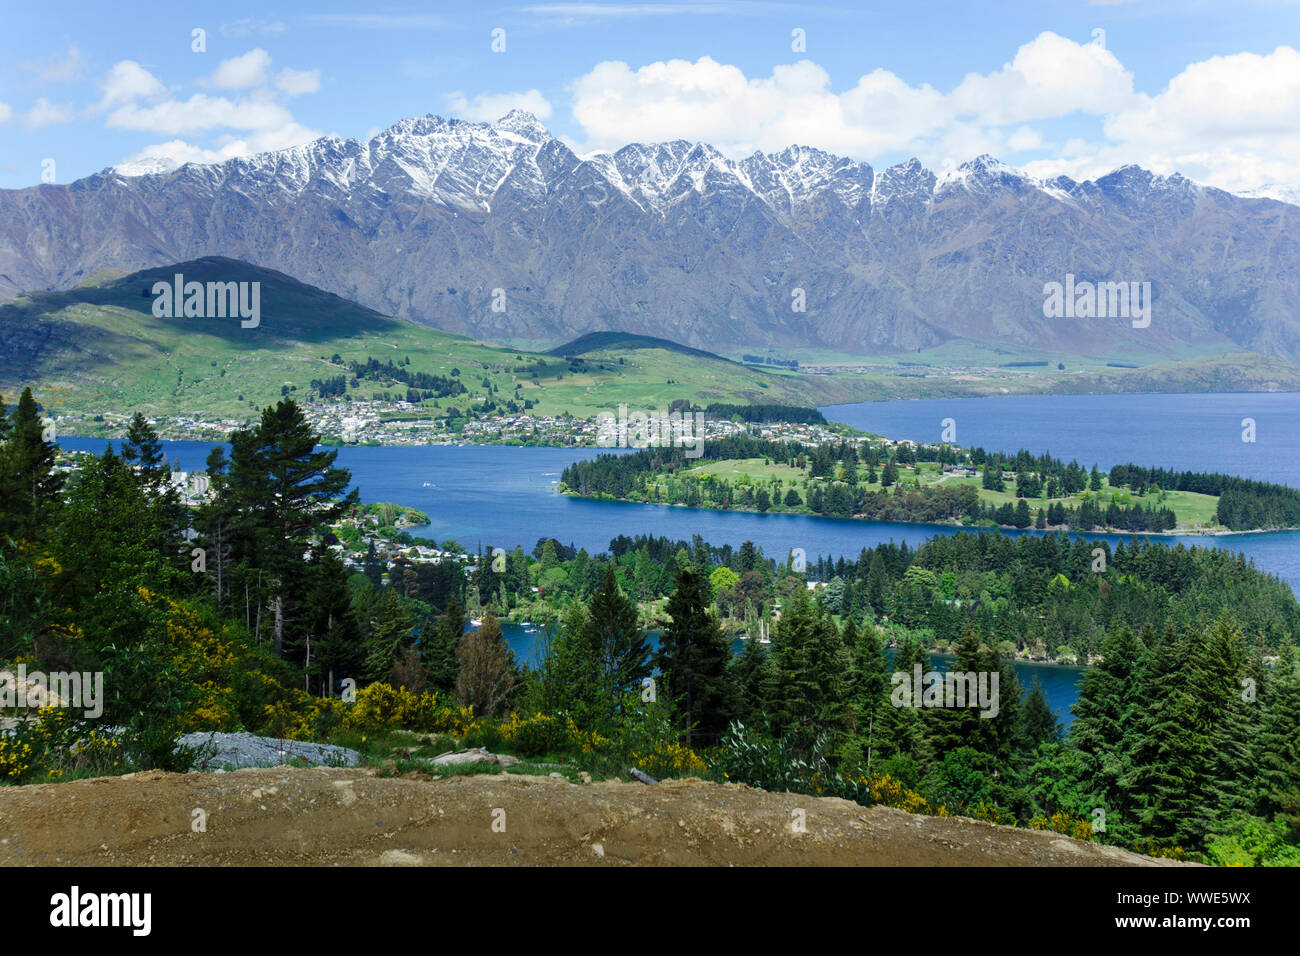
1194 511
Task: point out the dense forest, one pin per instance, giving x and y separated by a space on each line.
241 613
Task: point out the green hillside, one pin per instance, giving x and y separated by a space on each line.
99 350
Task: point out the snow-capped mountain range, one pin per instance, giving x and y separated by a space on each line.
675 239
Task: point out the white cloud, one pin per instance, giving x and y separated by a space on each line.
59 69
253 122
1229 121
1050 76
201 112
177 152
127 81
44 113
298 82
6 112
487 107
241 72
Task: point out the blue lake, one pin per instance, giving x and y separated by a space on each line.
1186 432
1060 683
503 496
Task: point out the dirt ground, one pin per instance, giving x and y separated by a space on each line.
350 817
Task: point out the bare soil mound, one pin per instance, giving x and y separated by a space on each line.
334 816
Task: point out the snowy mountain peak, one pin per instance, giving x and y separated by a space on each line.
464 165
524 124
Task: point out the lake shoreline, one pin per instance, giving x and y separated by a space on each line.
1057 529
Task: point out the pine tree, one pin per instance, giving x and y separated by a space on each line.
955 727
215 521
1039 724
333 640
790 687
1175 752
143 450
889 474
389 634
1102 715
614 636
868 684
29 486
1278 746
283 490
830 667
692 660
570 678
904 729
747 672
372 567
877 578
438 645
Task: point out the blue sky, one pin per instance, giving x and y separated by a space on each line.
1211 89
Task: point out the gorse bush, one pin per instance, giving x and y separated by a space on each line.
535 735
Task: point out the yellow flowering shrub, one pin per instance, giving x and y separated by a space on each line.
538 734
15 757
991 813
1061 822
588 741
379 705
890 792
53 742
669 760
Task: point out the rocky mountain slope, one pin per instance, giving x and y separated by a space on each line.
676 240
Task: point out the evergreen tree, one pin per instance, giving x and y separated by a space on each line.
747 673
1102 713
889 474
215 521
372 567
1039 725
790 690
614 636
877 578
438 646
143 450
570 679
1175 747
29 485
283 490
333 641
692 661
389 634
869 684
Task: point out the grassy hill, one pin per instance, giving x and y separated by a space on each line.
99 350
624 341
